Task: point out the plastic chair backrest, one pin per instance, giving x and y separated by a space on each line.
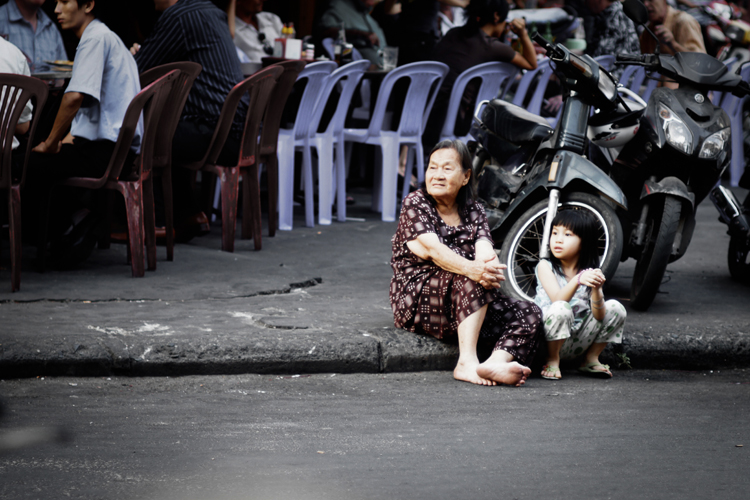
317 75
606 61
651 84
150 102
493 75
352 72
329 46
535 103
631 72
259 86
172 111
272 120
716 96
425 78
18 90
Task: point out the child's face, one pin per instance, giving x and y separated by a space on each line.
564 244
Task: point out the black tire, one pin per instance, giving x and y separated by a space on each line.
663 221
738 259
520 248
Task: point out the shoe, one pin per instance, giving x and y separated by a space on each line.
191 227
553 369
591 371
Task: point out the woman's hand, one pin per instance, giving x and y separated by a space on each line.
592 278
491 273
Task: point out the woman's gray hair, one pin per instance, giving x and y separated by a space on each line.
466 193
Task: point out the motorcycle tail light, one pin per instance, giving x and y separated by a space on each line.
714 144
678 134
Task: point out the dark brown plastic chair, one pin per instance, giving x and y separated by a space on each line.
19 90
170 117
149 101
259 87
269 144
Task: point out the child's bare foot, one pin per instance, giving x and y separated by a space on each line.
551 371
467 372
504 372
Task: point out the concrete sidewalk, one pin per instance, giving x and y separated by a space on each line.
315 300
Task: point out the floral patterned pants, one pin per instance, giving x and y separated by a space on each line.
558 325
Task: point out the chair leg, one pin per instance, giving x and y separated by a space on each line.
247 211
251 218
286 182
309 186
166 183
149 221
272 176
133 194
340 180
324 146
14 213
389 180
230 179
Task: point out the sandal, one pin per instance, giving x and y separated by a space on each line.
553 369
591 370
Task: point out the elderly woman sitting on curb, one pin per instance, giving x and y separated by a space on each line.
447 275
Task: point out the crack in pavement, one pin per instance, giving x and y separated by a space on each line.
283 291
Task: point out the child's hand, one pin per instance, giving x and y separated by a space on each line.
592 278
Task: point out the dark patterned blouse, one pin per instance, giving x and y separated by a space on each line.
424 297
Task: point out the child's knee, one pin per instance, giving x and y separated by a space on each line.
558 321
615 310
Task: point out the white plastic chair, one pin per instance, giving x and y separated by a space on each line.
290 140
494 76
425 78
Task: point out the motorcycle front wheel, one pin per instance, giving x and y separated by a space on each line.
521 246
663 221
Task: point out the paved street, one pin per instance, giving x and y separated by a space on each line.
643 434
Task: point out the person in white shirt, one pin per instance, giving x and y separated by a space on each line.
255 30
13 61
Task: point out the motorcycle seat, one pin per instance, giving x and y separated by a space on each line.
514 123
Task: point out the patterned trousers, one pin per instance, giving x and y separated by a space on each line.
558 325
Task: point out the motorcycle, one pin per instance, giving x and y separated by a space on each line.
677 155
727 32
524 171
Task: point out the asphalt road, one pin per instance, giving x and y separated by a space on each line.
643 434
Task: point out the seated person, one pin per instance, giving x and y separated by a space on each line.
31 30
197 31
446 275
255 30
677 31
419 29
477 42
362 31
613 32
14 62
103 82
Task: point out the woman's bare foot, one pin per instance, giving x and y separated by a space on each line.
551 371
503 371
467 372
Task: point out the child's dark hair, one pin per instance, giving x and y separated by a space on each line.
583 225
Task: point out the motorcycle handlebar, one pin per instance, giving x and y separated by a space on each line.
551 48
637 59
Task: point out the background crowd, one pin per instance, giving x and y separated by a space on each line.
111 42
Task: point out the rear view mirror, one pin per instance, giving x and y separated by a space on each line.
636 11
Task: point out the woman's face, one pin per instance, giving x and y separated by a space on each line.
444 176
564 244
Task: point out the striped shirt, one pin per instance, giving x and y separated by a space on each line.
198 31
